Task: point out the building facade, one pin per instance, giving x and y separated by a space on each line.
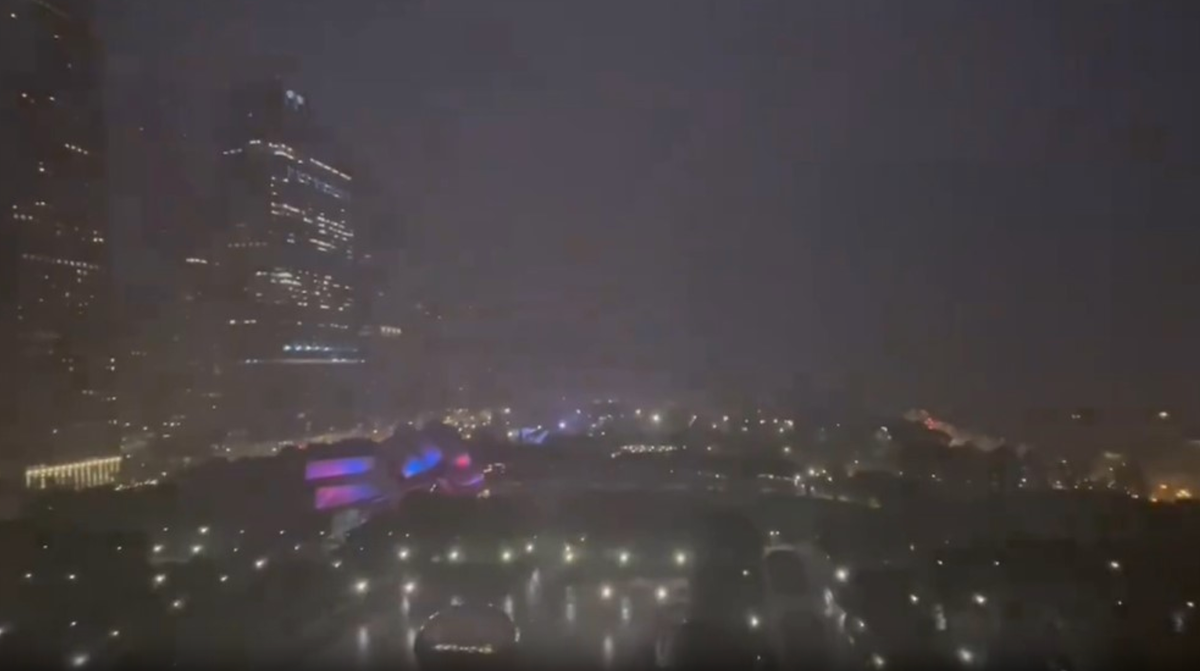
293 357
58 425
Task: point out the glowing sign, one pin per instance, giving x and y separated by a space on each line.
335 468
344 495
463 461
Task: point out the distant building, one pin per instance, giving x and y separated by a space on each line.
169 400
57 408
293 358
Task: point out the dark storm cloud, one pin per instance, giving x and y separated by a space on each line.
952 202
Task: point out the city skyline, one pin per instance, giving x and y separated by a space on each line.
745 203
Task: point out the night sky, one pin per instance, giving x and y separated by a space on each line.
984 207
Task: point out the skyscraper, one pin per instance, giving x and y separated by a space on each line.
57 406
293 358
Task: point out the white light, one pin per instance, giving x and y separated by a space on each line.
361 587
455 554
753 621
203 531
605 592
965 656
3 629
79 660
913 598
260 564
71 577
197 549
506 556
661 594
680 558
114 633
177 604
1114 565
656 418
410 587
337 563
562 426
160 578
623 558
157 549
29 576
529 548
877 661
841 574
402 555
980 600
1191 604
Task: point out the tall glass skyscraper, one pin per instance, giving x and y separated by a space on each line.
293 357
57 404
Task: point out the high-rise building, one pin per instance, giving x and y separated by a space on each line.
57 406
293 359
161 185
